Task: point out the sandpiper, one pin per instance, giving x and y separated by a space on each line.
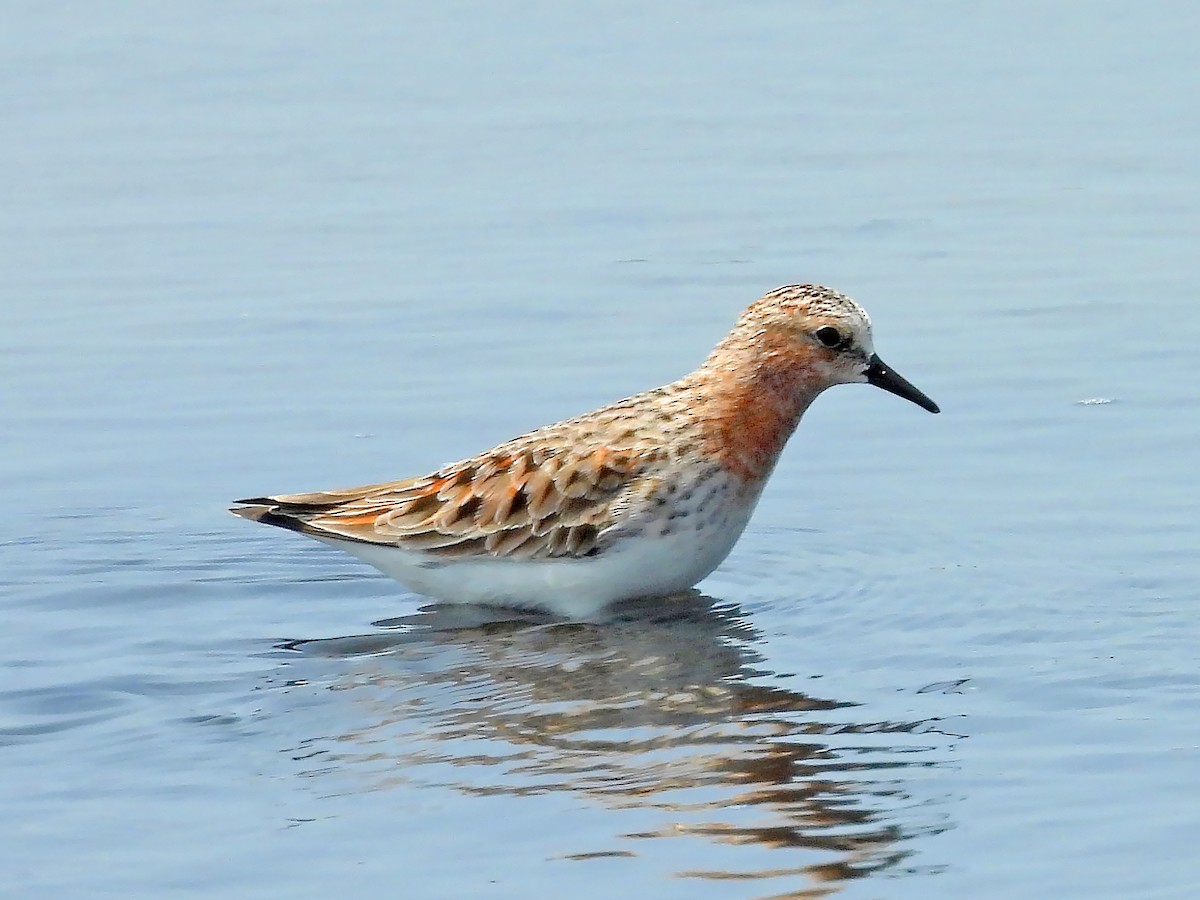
641 498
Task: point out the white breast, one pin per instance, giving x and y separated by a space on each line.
666 556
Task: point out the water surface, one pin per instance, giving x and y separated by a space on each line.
299 246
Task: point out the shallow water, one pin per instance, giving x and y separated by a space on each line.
302 246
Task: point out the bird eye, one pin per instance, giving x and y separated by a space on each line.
831 337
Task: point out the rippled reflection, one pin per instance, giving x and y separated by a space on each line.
659 709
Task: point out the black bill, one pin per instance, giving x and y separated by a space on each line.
880 375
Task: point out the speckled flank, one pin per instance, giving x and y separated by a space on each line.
684 460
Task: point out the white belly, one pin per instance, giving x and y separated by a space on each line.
647 565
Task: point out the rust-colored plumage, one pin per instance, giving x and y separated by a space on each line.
681 465
544 495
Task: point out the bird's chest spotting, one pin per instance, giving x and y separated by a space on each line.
704 510
686 531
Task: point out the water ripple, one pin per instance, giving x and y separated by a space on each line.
665 709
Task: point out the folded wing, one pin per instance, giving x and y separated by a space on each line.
519 504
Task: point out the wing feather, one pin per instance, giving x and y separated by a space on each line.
514 503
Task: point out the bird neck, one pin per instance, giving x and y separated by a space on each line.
753 395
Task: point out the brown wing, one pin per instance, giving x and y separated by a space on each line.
513 503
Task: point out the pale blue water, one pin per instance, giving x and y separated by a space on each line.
290 246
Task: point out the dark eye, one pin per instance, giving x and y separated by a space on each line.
831 337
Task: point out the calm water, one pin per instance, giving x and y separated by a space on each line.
293 246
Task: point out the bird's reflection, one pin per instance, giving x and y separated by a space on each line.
663 708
